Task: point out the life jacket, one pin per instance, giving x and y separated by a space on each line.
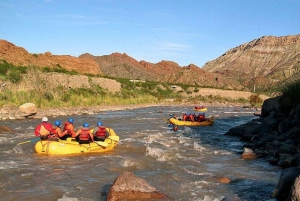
184 117
101 132
191 117
54 132
67 129
84 134
46 125
175 128
201 118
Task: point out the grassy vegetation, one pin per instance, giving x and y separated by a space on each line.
11 72
140 92
290 95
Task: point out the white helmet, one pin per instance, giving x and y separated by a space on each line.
44 119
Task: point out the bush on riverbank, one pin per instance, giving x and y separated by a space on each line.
290 96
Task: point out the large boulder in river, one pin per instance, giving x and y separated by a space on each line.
129 187
270 105
248 128
28 108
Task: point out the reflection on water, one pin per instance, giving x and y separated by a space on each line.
184 164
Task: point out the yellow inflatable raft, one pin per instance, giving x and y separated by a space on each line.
178 122
200 109
71 146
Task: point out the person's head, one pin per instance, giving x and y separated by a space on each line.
57 123
99 123
71 120
44 119
85 125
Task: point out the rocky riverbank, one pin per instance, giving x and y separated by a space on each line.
275 136
29 110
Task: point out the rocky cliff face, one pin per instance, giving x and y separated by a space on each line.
261 62
19 56
124 66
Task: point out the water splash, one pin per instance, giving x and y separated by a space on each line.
18 150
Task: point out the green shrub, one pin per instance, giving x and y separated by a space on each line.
255 100
4 67
48 96
14 76
290 96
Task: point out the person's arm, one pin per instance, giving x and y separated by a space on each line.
72 131
92 136
95 130
59 133
77 133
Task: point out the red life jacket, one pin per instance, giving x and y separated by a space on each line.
101 132
184 117
66 129
54 132
37 129
84 134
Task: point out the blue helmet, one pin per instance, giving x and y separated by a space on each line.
99 123
85 125
57 123
71 120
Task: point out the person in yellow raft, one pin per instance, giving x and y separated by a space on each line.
84 134
68 130
56 130
43 130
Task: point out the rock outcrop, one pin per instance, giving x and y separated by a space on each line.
274 135
19 56
129 187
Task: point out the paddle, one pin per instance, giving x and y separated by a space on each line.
113 137
32 140
102 144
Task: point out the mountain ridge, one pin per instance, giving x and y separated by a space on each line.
259 63
263 61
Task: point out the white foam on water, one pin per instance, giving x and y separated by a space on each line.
7 164
18 149
196 188
27 174
65 198
159 154
130 162
198 147
4 139
197 173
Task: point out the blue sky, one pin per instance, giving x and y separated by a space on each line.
183 31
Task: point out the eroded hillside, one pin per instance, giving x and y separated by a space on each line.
261 62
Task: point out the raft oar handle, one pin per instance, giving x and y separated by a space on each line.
28 141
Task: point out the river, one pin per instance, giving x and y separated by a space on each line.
184 165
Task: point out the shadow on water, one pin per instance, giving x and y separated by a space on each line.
104 191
